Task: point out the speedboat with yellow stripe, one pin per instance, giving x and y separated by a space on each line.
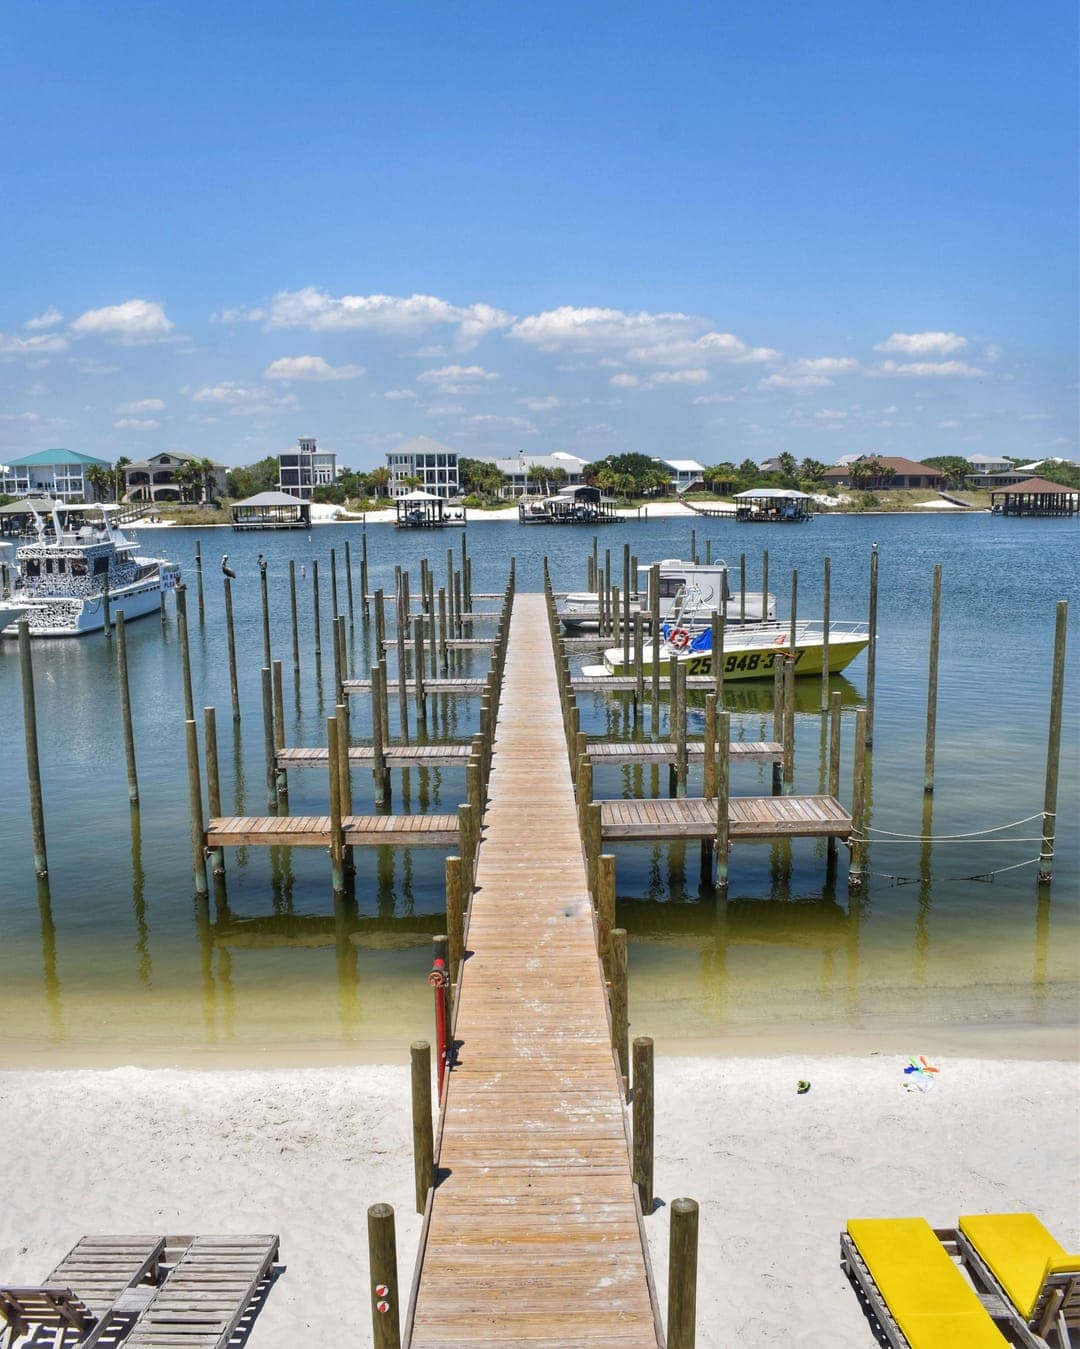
748 653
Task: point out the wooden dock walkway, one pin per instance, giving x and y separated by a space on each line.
749 817
397 756
666 751
467 685
313 831
534 1234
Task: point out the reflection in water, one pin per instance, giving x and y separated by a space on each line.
50 978
138 898
926 898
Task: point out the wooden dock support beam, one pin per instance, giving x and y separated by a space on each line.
383 1274
422 1131
213 783
723 823
682 1274
33 762
932 683
230 634
198 825
643 1121
620 1002
125 709
1053 749
858 803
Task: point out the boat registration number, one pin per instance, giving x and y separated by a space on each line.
753 660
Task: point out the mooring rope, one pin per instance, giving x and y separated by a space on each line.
888 835
986 877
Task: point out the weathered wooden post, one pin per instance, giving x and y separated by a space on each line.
605 905
199 582
593 844
789 724
418 669
213 783
794 618
716 646
382 1269
33 763
858 800
380 622
293 615
384 680
455 916
337 841
315 605
834 763
230 633
1053 749
105 605
400 619
281 777
344 779
654 632
765 585
125 709
422 1131
643 1120
364 571
268 738
444 663
682 1275
198 835
680 731
723 776
185 654
620 1004
742 589
709 748
335 608
825 621
468 827
379 770
932 681
693 546
348 582
626 630
639 664
264 595
871 650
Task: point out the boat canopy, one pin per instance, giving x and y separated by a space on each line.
772 494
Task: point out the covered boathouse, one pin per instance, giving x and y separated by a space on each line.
1035 496
271 510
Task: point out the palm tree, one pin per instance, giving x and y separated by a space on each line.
101 480
208 473
539 474
188 478
118 476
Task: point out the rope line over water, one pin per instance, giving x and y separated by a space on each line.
986 877
888 835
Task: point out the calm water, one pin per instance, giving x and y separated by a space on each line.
114 962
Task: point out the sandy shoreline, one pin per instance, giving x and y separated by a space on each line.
303 1152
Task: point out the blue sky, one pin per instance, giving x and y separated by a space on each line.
691 230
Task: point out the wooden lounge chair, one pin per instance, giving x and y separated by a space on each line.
1031 1282
99 1282
918 1296
206 1294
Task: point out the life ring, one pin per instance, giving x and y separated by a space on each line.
781 639
679 639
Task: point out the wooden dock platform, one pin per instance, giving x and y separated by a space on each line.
749 817
397 756
313 831
666 751
466 685
628 683
534 1234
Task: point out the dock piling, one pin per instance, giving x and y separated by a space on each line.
213 782
682 1274
620 1005
644 1095
198 835
230 634
125 709
33 762
932 683
1053 748
422 1131
382 1270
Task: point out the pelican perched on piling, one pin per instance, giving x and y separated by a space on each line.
226 568
262 562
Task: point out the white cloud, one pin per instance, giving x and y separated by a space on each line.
26 418
708 399
949 424
489 421
137 424
241 400
319 311
51 317
91 367
795 382
141 405
311 368
823 365
398 395
458 379
725 348
601 330
831 415
932 369
624 381
45 345
922 344
660 377
540 404
1034 417
444 410
129 323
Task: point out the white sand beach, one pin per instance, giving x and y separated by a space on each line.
303 1152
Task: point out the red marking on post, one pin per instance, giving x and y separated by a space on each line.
381 1290
383 1307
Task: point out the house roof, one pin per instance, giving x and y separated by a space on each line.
684 465
516 463
46 458
271 499
183 455
986 459
898 464
1043 485
422 445
773 494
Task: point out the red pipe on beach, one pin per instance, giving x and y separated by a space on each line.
439 979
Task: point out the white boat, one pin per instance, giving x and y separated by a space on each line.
78 567
694 590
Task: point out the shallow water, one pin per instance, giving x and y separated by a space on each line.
114 961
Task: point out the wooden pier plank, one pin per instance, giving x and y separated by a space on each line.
534 1236
749 817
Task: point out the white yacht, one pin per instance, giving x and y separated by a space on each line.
698 590
76 566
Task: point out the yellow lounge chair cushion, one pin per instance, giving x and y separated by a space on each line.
932 1302
1019 1252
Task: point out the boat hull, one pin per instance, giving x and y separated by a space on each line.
757 662
74 617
